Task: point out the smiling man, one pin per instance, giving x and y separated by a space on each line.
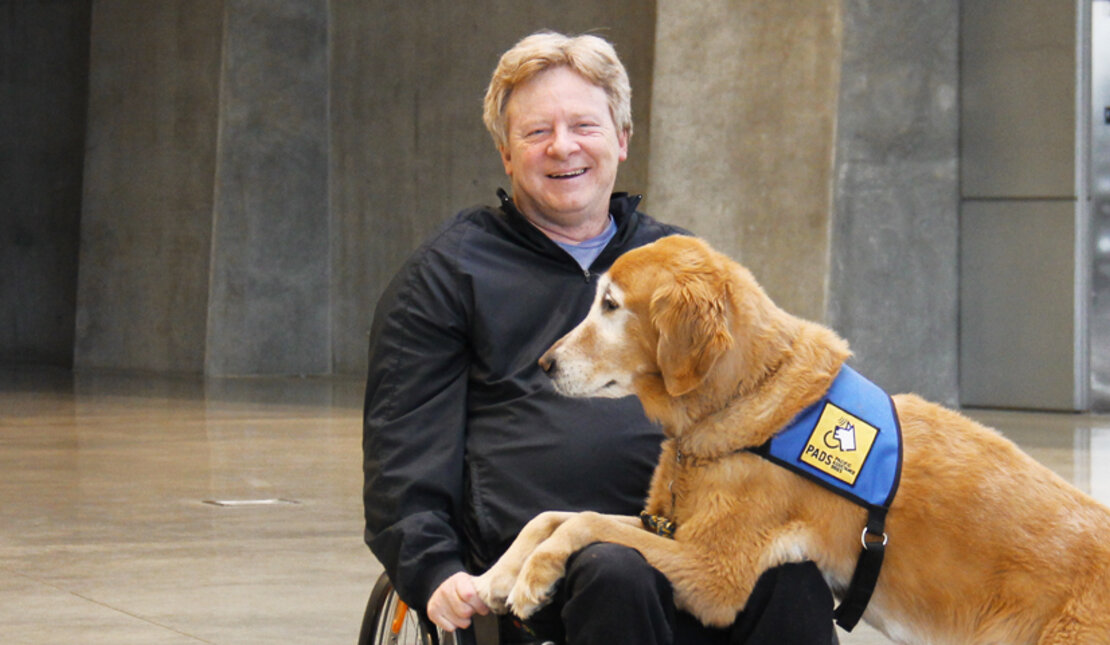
465 438
562 154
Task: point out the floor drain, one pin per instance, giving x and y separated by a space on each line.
250 502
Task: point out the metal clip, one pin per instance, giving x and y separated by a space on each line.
866 545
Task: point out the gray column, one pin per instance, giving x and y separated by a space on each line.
1024 281
44 47
893 279
743 126
269 302
816 143
147 209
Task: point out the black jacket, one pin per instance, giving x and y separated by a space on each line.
464 438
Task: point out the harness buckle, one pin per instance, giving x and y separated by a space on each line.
868 545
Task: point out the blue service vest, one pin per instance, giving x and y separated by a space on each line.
849 441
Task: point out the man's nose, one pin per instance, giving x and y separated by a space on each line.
563 143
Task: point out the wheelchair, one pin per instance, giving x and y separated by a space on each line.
389 621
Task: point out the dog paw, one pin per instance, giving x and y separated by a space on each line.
493 588
536 583
526 601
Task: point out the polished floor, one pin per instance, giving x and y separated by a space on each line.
108 533
154 510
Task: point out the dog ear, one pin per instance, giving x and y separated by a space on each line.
691 318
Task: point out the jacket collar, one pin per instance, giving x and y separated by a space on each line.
622 207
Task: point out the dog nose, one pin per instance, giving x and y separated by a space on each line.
547 363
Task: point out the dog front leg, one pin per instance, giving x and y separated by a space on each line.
547 563
712 585
494 585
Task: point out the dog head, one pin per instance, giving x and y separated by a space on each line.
671 320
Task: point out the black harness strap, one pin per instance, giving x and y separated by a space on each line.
866 575
798 447
870 562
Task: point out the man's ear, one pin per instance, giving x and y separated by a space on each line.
691 318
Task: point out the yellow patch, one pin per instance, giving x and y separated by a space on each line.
839 444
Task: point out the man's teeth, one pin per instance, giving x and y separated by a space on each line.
564 175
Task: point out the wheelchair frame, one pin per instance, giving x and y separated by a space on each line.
389 621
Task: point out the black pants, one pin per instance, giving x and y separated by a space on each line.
612 596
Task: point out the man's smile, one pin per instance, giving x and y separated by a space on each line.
568 174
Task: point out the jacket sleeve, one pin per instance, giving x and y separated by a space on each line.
414 428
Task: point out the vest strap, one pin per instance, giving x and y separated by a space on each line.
849 442
866 575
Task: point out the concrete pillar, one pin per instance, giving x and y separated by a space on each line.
893 279
257 169
743 131
816 142
147 209
44 47
269 303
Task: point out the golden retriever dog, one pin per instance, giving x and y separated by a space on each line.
985 545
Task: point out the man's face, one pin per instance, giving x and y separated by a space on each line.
563 149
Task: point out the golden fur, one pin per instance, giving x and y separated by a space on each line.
986 545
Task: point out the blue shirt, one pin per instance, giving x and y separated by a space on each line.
586 252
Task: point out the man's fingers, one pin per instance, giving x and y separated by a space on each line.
450 623
469 595
460 611
454 602
448 619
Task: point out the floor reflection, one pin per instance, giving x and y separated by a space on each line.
105 536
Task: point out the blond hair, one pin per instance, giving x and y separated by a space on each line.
590 56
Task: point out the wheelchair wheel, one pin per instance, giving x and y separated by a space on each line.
389 621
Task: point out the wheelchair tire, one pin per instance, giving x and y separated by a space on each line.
388 621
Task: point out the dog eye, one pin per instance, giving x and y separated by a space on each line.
608 304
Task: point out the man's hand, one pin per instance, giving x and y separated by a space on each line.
454 602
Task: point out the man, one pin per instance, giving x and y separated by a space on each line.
465 439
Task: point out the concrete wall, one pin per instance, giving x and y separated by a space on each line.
408 145
1024 211
744 125
146 223
205 227
44 49
894 270
269 303
816 143
255 171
